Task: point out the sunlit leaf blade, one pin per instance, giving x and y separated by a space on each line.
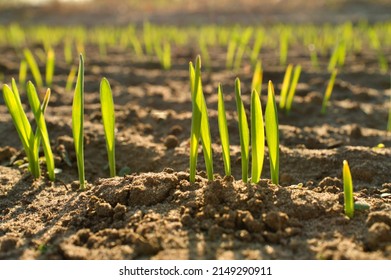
257 78
285 86
42 133
243 130
108 117
328 91
22 72
223 129
32 63
272 133
205 135
71 78
292 88
196 116
22 125
348 190
50 63
257 138
77 122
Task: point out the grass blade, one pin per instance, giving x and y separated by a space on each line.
272 134
22 72
71 78
50 63
292 88
243 131
22 125
108 117
42 133
196 116
32 63
205 135
285 86
328 91
257 78
348 190
223 129
257 137
77 122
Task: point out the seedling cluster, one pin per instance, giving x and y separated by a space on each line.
155 43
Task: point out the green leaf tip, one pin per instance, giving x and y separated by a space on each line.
348 190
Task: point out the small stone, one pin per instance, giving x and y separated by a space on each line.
171 141
361 206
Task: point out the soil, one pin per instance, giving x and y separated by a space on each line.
153 212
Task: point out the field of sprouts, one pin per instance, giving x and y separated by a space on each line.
221 141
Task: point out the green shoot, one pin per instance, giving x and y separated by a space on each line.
108 117
244 38
68 51
292 88
205 135
32 63
71 78
196 116
23 127
243 131
257 138
348 190
272 134
258 41
42 132
22 72
223 128
284 38
231 53
257 78
50 61
77 122
328 91
285 86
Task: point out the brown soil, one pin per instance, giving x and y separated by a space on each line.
155 213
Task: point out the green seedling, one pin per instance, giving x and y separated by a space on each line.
272 134
22 72
108 117
31 141
292 88
223 129
243 131
71 78
32 63
328 91
50 63
244 39
348 190
389 112
23 127
285 86
42 133
78 122
199 123
68 56
257 138
257 78
284 39
258 41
